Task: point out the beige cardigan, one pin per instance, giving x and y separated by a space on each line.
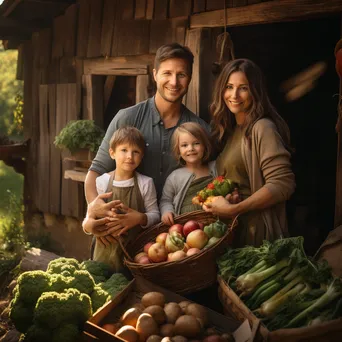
268 164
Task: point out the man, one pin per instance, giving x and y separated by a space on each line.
156 118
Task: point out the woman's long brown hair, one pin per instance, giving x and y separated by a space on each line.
223 120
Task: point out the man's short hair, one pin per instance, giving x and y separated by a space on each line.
173 50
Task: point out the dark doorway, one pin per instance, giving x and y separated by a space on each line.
283 50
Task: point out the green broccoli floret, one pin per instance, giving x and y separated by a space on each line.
36 333
30 286
80 280
104 292
21 314
66 333
99 270
61 264
54 309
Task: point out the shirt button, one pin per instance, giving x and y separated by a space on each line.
163 152
162 123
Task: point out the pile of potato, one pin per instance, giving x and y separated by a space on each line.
154 320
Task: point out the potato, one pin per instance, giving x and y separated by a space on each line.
211 331
146 326
128 333
213 338
167 330
199 312
183 304
153 298
166 339
179 338
157 312
112 327
172 311
154 338
130 317
187 326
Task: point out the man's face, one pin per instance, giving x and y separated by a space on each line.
172 79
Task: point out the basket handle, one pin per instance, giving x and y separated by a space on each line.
120 241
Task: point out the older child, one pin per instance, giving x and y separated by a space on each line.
192 147
135 193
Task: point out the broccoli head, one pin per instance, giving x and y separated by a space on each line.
21 314
62 264
99 297
99 270
54 309
30 286
80 280
36 333
66 333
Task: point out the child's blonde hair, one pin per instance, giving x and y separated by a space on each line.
127 135
199 133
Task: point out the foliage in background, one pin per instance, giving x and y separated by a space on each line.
9 87
17 127
78 134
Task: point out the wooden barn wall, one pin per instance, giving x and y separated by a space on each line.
56 89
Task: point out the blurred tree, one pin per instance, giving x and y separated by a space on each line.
10 88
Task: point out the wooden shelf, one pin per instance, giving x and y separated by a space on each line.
78 176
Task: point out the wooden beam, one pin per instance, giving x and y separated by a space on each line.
130 65
266 12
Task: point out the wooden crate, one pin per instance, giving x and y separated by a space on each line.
112 311
234 307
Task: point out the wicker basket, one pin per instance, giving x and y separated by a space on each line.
184 276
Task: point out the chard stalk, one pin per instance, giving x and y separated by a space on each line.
269 308
260 266
250 281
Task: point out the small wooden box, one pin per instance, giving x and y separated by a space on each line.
112 311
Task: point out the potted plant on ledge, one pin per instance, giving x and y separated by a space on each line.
81 137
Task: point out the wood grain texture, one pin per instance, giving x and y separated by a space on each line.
179 8
95 26
161 9
83 27
266 12
108 24
140 9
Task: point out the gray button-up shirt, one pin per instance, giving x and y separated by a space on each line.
158 161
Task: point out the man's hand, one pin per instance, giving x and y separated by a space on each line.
167 218
99 208
220 206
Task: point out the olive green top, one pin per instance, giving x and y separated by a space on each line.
195 186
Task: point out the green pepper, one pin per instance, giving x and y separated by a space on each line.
212 241
209 230
219 229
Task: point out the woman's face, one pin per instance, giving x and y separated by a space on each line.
237 95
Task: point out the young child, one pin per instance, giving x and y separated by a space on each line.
192 147
136 194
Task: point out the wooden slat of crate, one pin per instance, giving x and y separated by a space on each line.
83 28
43 167
95 25
108 23
167 31
180 8
55 156
161 8
132 294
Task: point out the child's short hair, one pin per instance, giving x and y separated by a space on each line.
199 133
127 135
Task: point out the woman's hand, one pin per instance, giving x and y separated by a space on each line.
167 218
221 206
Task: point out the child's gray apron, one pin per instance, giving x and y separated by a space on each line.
131 197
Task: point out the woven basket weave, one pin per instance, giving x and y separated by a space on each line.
184 276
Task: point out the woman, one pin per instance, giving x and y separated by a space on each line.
256 154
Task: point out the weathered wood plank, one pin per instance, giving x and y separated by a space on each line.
79 73
198 6
55 156
161 8
59 36
140 9
95 26
150 9
142 88
67 71
45 47
108 23
28 70
125 9
213 5
113 65
77 176
131 37
108 88
83 28
20 63
266 12
43 167
167 31
180 8
69 45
